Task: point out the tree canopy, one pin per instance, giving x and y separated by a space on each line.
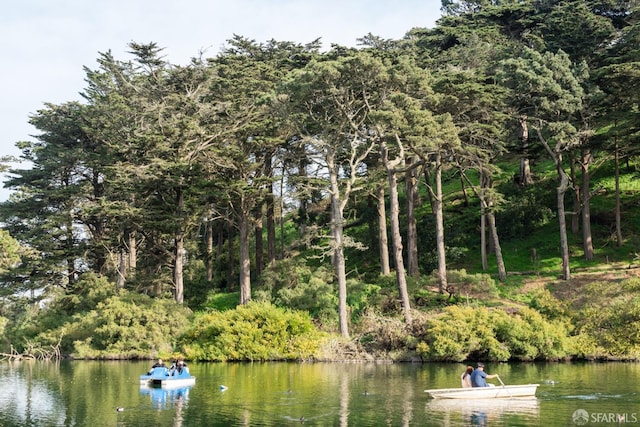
167 179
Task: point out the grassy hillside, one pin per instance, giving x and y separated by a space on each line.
528 225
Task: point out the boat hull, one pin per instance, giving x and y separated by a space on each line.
172 382
498 392
165 378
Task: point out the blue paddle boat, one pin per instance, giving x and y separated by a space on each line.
163 377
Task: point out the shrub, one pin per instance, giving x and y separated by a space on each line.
255 331
127 326
461 284
382 334
544 302
221 301
361 296
461 333
315 295
96 320
291 283
606 321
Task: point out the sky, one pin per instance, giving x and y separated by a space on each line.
45 44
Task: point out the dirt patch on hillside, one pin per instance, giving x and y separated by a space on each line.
571 290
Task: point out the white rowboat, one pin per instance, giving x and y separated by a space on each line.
502 392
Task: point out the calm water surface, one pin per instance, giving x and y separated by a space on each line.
85 393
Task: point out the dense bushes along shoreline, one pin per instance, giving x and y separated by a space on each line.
109 324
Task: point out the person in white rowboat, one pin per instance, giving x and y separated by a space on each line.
465 378
479 377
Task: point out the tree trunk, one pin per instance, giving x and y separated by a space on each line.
525 177
578 195
382 232
617 179
303 202
271 229
209 250
178 267
412 233
442 262
231 283
245 262
337 230
483 240
133 254
122 270
563 185
259 239
281 221
396 236
128 260
70 260
587 240
502 271
463 187
483 221
564 244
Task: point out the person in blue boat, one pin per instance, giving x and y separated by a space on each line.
158 364
177 366
479 377
181 364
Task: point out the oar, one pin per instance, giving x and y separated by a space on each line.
503 386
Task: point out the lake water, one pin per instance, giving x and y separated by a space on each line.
85 393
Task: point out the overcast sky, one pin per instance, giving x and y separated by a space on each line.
44 44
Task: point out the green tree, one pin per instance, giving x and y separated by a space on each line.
330 98
547 88
47 210
158 125
246 76
619 79
10 251
476 104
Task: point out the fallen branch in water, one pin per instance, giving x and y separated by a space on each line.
34 352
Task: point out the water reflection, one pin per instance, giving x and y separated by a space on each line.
172 398
83 393
479 412
30 402
163 398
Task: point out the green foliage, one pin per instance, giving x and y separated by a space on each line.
291 283
255 331
315 296
168 156
461 333
546 304
197 289
97 321
362 296
610 318
128 326
526 209
462 284
222 301
88 292
9 251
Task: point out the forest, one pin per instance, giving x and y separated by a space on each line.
468 191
